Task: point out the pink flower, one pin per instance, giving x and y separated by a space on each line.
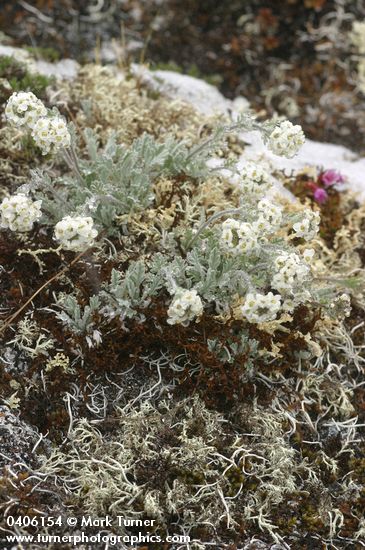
320 195
331 177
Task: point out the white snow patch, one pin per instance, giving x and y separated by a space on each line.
18 53
208 100
64 69
203 96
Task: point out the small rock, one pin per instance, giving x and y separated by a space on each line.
17 439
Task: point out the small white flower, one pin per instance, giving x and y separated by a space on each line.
254 179
229 236
239 237
76 233
290 272
248 241
289 305
185 307
262 227
309 226
259 308
19 212
51 134
24 109
286 139
270 211
308 255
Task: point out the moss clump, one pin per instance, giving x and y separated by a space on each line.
20 79
48 54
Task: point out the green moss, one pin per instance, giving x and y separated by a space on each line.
192 477
170 66
28 148
236 479
20 79
33 83
286 523
48 54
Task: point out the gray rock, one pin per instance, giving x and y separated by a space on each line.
17 439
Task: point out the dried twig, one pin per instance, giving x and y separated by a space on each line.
12 317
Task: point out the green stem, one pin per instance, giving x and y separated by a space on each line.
224 130
210 220
71 161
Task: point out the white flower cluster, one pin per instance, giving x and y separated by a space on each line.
24 109
51 134
245 238
259 308
19 212
270 212
185 307
308 227
239 237
254 179
286 139
75 233
291 271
